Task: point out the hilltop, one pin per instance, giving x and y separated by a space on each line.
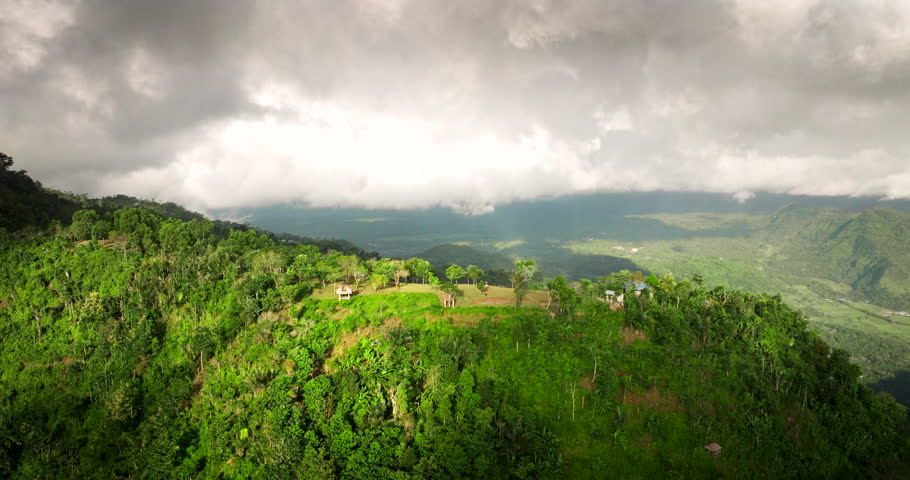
212 358
136 345
840 260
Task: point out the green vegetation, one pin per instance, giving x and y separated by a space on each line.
444 255
841 269
25 203
521 278
137 345
472 295
164 351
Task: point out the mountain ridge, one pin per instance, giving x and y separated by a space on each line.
165 349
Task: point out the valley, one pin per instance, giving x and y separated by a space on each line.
841 261
144 340
847 317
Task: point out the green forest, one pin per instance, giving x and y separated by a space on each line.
136 344
845 270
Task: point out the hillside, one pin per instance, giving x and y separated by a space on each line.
842 269
163 350
137 344
26 207
26 203
867 250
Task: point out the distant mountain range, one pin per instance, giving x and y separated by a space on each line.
868 250
859 241
404 232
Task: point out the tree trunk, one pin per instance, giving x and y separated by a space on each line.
594 377
572 390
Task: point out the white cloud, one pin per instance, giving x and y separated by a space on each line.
25 28
326 154
396 103
618 121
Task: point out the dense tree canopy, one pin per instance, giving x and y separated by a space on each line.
135 345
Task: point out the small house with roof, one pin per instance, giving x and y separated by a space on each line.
640 287
344 292
614 300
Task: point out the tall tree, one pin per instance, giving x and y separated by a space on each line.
562 294
474 273
83 223
521 275
378 280
400 272
450 292
351 269
454 272
419 267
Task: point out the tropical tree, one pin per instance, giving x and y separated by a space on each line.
419 268
474 273
562 294
351 269
83 224
586 289
400 272
450 292
522 273
382 266
454 273
378 280
306 264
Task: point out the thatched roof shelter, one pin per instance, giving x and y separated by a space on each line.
713 448
344 292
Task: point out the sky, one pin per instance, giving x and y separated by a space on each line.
464 104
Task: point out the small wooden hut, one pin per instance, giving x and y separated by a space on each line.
344 292
448 300
714 449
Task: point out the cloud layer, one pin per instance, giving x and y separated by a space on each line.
468 104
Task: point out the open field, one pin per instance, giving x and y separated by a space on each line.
495 296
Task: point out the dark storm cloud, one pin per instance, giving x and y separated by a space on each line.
471 103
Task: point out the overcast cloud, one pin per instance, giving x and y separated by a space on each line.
467 104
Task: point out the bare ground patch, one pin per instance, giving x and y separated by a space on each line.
652 398
65 361
508 301
630 335
587 381
495 301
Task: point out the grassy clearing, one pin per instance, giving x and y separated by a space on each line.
494 296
